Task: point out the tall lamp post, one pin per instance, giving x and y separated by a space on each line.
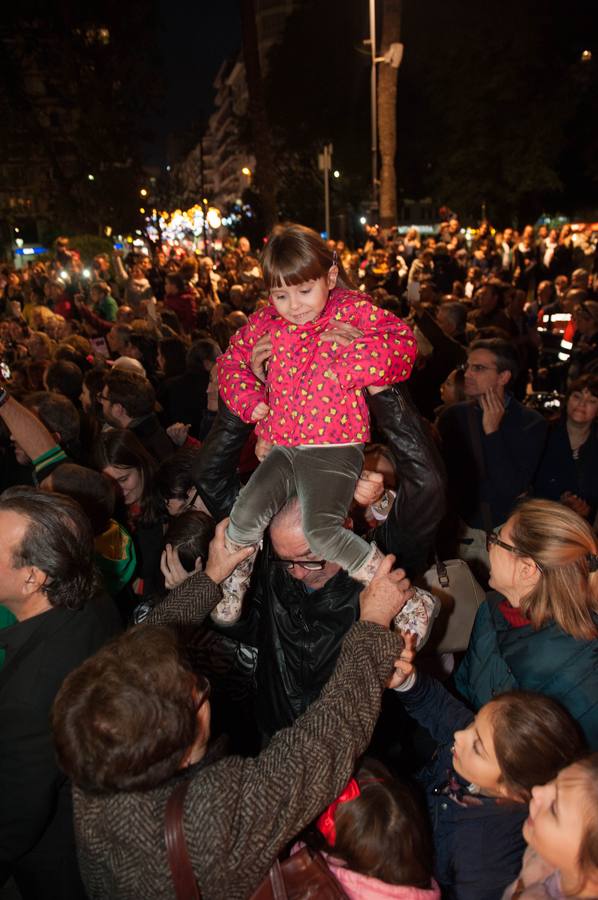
325 164
392 57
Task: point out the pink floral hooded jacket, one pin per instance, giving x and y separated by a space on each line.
316 389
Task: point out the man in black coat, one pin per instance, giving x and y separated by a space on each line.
491 445
47 581
298 617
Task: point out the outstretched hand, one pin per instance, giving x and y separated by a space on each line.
222 562
386 594
404 667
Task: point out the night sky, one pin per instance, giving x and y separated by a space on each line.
195 38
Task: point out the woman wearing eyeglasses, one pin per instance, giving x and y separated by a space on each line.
538 629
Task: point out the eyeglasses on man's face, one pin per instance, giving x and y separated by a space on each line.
310 565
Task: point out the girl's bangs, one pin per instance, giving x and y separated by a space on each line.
292 270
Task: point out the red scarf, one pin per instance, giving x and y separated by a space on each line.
513 616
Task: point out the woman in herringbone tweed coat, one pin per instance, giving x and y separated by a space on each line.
239 813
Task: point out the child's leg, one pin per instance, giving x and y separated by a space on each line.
267 490
325 480
265 493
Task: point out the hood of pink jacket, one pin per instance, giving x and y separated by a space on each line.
364 887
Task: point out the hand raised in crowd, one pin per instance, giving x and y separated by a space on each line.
262 448
222 562
341 333
260 355
260 412
172 568
178 433
386 594
404 667
493 410
369 488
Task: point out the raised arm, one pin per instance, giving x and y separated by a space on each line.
410 529
383 355
215 471
26 429
271 798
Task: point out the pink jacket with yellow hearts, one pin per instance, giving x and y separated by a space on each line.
316 389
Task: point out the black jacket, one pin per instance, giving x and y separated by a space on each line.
299 633
36 833
510 457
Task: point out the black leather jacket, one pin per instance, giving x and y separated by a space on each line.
298 633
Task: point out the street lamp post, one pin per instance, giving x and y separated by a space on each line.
325 164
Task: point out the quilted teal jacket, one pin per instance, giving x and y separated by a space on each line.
503 658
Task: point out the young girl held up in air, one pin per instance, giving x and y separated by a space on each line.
480 781
561 831
300 370
375 839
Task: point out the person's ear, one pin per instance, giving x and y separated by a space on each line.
35 581
504 378
199 567
332 277
528 573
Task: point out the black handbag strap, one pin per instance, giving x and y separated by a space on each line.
478 452
183 876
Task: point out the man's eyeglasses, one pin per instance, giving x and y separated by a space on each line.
493 538
310 565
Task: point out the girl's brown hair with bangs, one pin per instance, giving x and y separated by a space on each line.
295 254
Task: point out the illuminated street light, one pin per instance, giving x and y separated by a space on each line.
91 177
142 210
586 56
336 173
363 220
213 217
246 171
143 192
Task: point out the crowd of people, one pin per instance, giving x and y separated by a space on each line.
224 483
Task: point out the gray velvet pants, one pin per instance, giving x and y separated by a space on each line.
324 480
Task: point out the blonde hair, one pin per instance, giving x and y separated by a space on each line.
561 544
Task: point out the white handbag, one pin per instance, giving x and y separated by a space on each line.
460 595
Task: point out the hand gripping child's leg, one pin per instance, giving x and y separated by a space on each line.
234 588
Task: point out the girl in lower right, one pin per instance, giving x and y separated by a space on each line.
561 831
479 783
